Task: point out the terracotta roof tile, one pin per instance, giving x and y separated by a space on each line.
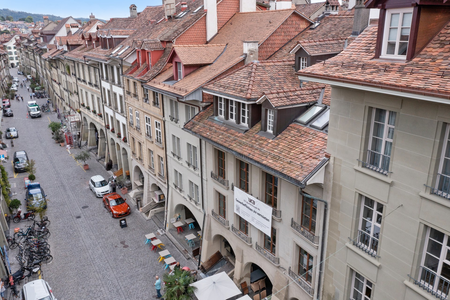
198 54
428 73
295 152
290 97
309 9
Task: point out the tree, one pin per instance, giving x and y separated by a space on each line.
29 19
2 18
54 126
83 156
178 285
31 168
9 18
15 204
22 19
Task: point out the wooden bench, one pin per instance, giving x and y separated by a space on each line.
211 261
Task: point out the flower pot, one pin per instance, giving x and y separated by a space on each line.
86 166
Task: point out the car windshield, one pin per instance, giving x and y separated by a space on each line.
21 160
101 183
34 108
36 197
116 201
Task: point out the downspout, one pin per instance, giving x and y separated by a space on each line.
322 248
166 165
203 203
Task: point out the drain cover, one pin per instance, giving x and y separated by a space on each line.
77 217
85 206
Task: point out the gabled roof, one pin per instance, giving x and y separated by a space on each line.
321 46
198 54
309 9
427 74
55 29
292 97
252 80
295 152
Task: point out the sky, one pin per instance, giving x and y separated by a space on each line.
102 9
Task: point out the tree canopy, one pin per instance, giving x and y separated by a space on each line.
29 19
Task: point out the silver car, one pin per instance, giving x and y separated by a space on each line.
12 133
37 290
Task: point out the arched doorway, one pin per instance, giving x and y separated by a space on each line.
125 163
221 244
93 135
259 280
84 130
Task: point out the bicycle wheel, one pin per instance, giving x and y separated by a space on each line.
47 259
16 219
32 216
13 244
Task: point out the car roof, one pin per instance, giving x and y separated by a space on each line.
97 178
11 128
20 153
38 288
113 196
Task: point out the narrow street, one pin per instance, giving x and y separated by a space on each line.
94 258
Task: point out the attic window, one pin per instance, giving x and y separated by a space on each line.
123 50
116 49
322 121
197 9
312 112
397 31
182 14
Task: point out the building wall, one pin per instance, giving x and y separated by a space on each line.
408 205
196 34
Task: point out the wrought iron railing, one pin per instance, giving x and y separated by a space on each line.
367 243
176 155
276 213
267 254
241 235
377 162
442 187
196 202
431 282
301 282
220 219
155 103
219 179
191 166
146 100
308 235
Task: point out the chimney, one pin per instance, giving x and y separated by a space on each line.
361 18
133 11
211 18
183 6
91 17
247 5
169 8
45 20
251 51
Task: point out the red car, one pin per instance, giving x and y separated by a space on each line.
116 205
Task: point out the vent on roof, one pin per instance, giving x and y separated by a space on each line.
182 14
314 25
123 50
197 9
116 49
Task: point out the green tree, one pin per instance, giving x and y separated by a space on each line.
29 19
22 19
31 168
54 126
2 18
6 31
178 285
9 18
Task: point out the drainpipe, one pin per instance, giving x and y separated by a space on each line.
167 167
203 203
322 248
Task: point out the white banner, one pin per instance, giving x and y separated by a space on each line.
253 211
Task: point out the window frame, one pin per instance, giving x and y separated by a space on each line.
312 203
371 247
221 164
445 181
179 70
161 166
274 196
222 205
130 111
245 110
136 112
305 271
192 155
193 191
148 127
176 145
365 283
302 63
221 107
158 132
270 120
243 167
178 179
152 159
270 240
243 225
389 13
232 113
189 112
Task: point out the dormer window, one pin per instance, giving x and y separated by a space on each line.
232 113
221 107
303 63
179 70
244 114
397 32
270 119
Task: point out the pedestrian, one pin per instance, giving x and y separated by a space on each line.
31 96
113 185
2 290
21 98
177 266
158 287
28 88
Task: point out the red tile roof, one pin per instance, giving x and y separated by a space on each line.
427 74
290 97
295 152
198 54
309 9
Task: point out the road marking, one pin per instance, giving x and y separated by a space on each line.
78 163
49 119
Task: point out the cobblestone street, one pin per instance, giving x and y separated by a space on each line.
93 257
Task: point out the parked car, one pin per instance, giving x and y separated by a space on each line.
13 88
11 133
29 77
99 186
20 161
38 289
35 196
16 80
116 205
19 73
6 103
8 112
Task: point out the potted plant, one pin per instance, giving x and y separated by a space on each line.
119 135
124 139
88 108
14 204
100 115
54 126
78 111
83 156
58 137
94 111
82 104
31 177
112 130
107 126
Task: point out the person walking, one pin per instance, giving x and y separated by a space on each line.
158 287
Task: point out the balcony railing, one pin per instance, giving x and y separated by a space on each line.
267 254
155 103
191 166
196 202
175 155
220 219
276 213
247 239
219 179
442 188
301 282
146 100
431 282
308 235
377 162
367 243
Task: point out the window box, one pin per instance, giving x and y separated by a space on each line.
100 115
94 111
112 130
82 104
119 135
247 239
124 139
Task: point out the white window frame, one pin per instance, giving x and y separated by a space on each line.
442 185
389 13
442 259
232 110
221 107
366 284
173 108
179 70
158 132
303 63
176 145
192 155
130 110
193 191
189 112
148 126
138 126
178 179
270 120
244 113
161 166
385 139
152 160
367 237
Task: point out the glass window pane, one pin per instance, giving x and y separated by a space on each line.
431 262
407 18
404 34
392 34
378 130
310 113
434 248
437 235
390 48
402 47
394 20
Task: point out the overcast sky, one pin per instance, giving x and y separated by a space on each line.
102 9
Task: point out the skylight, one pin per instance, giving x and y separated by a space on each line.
197 9
123 50
322 121
117 49
181 15
312 112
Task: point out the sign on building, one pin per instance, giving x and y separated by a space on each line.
253 211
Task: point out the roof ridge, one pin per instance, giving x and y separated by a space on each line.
294 90
200 45
251 81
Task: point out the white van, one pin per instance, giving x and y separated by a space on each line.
37 290
33 109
